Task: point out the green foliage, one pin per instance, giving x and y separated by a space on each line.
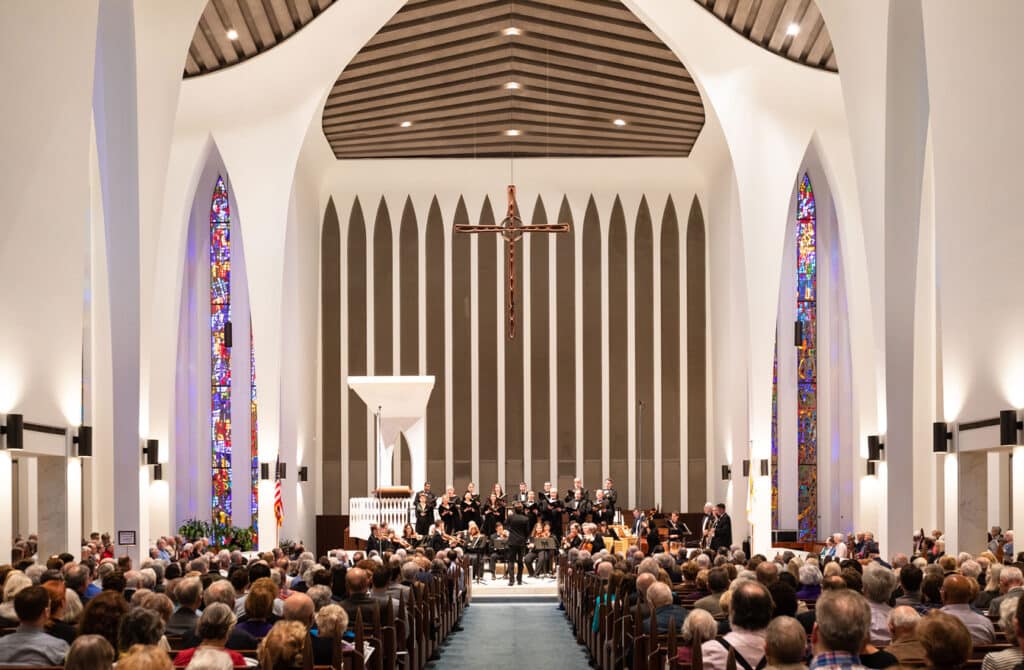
222 536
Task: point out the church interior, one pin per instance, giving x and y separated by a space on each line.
301 257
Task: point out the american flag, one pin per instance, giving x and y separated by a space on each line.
278 503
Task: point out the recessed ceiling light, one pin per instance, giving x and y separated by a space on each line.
792 29
232 34
619 122
511 31
513 86
512 132
405 124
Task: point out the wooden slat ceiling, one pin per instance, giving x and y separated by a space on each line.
443 66
766 22
260 24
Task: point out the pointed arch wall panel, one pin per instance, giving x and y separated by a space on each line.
510 398
332 382
696 356
358 425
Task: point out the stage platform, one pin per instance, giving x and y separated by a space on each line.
534 590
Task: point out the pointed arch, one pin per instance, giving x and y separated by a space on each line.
408 290
436 339
383 295
358 424
593 365
539 326
669 363
618 349
565 332
696 356
462 381
330 356
643 350
488 324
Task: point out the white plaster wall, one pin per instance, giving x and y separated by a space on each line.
976 105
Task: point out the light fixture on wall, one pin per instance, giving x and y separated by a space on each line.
265 471
875 448
14 429
798 334
764 467
1008 427
872 469
84 442
304 474
151 452
158 472
726 473
282 470
941 438
746 468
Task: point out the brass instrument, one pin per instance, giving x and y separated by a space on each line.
705 542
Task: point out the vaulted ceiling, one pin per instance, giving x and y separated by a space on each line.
443 69
793 29
258 25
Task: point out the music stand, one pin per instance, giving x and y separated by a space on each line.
544 544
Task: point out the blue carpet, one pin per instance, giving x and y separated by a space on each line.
513 637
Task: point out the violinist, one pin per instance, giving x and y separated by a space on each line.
589 542
469 510
538 561
574 539
551 512
493 512
499 544
603 531
424 514
676 528
476 545
410 538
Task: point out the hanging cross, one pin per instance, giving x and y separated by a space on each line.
511 229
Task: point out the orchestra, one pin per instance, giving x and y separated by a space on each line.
547 523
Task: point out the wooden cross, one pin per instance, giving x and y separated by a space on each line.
511 229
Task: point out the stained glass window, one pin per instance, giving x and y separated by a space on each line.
220 352
807 356
254 507
775 433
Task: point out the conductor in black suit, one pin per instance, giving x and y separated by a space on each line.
723 529
518 527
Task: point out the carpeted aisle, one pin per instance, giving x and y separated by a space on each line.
513 637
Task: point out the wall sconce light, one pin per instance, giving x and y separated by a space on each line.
746 468
84 441
14 429
798 334
764 467
872 469
726 473
940 438
304 474
1008 426
158 472
875 447
282 470
265 471
151 452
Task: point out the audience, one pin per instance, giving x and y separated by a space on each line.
905 646
30 644
214 629
946 640
842 625
958 592
1010 658
90 652
878 583
282 648
785 644
750 612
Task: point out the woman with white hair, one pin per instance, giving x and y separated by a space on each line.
698 627
810 582
331 624
1006 659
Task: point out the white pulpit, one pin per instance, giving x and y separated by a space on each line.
400 404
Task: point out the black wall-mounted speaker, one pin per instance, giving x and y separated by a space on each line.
1008 427
940 445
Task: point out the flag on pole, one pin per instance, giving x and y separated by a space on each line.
278 503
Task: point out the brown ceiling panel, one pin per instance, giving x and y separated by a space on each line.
442 66
260 24
767 22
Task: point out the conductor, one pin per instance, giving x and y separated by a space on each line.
518 527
